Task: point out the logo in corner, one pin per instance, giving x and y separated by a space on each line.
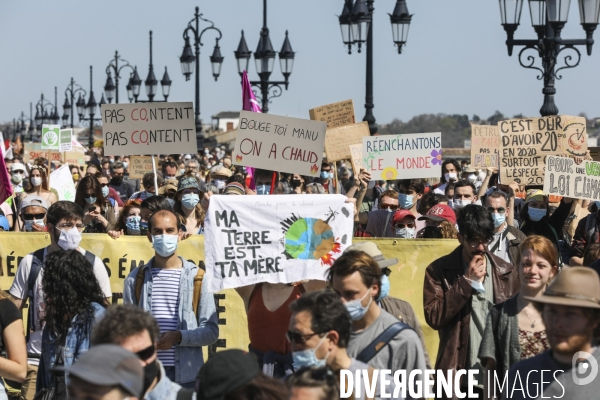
584 368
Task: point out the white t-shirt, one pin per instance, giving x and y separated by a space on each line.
20 290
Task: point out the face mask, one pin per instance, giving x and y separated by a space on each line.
165 245
449 176
405 233
117 180
90 200
105 191
385 286
143 227
458 204
125 164
536 214
112 160
478 286
308 358
432 232
296 183
150 373
29 224
36 181
405 201
355 308
219 183
472 178
133 225
69 240
498 219
326 175
263 189
181 171
189 201
17 178
75 177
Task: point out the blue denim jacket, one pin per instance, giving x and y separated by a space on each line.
195 332
165 389
77 342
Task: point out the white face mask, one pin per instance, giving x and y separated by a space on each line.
458 204
36 181
472 178
405 233
450 176
69 239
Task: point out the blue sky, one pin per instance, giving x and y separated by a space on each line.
455 60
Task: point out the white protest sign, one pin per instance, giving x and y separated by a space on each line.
65 140
150 128
284 144
407 156
563 177
62 181
286 238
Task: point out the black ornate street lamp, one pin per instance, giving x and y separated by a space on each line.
356 23
151 83
264 57
46 112
72 90
548 17
111 88
190 61
90 109
26 124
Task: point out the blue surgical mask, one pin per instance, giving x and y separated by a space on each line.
133 225
125 164
308 358
165 245
105 191
29 224
536 214
190 200
355 308
326 174
385 286
263 189
405 201
498 219
91 200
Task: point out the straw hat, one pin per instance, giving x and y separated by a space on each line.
573 287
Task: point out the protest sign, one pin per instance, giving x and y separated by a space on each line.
408 156
279 143
338 140
335 114
50 137
61 180
287 238
65 143
525 143
356 157
74 158
485 146
563 177
34 150
139 165
151 128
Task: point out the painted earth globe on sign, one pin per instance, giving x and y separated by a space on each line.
309 239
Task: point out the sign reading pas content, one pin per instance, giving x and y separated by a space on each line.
282 239
408 156
284 144
150 128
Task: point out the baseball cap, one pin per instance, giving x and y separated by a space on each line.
187 157
224 372
401 214
440 212
109 365
535 195
33 200
372 250
17 167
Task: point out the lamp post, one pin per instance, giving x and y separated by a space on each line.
150 83
46 112
90 108
356 24
111 88
190 60
70 92
26 124
548 17
264 57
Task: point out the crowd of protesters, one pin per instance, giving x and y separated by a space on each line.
520 292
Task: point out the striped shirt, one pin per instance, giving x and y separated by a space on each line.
165 306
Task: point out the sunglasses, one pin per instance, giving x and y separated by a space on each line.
104 184
388 207
145 354
29 217
402 226
170 194
87 196
295 337
500 210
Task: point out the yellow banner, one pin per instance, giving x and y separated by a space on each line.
124 254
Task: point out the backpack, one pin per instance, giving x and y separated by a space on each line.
139 283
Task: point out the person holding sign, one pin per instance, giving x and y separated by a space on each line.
99 214
39 185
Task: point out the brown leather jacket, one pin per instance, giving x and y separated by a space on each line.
447 303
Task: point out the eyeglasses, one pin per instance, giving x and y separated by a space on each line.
69 225
18 172
499 210
476 242
388 207
146 353
190 191
170 194
102 184
402 226
29 217
295 337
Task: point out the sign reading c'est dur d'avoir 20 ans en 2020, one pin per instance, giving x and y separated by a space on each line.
149 128
407 156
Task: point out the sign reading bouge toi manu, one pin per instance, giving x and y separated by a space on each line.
407 156
525 143
563 177
284 144
149 128
485 146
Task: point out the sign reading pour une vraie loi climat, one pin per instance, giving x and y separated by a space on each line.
284 144
148 128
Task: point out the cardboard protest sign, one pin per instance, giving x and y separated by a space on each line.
139 165
485 146
31 151
75 158
408 156
338 140
278 143
50 136
356 157
150 128
335 114
525 143
563 177
62 181
287 238
65 142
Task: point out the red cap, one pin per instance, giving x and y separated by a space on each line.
401 214
440 212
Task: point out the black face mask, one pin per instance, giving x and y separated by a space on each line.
117 180
296 183
150 373
432 232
